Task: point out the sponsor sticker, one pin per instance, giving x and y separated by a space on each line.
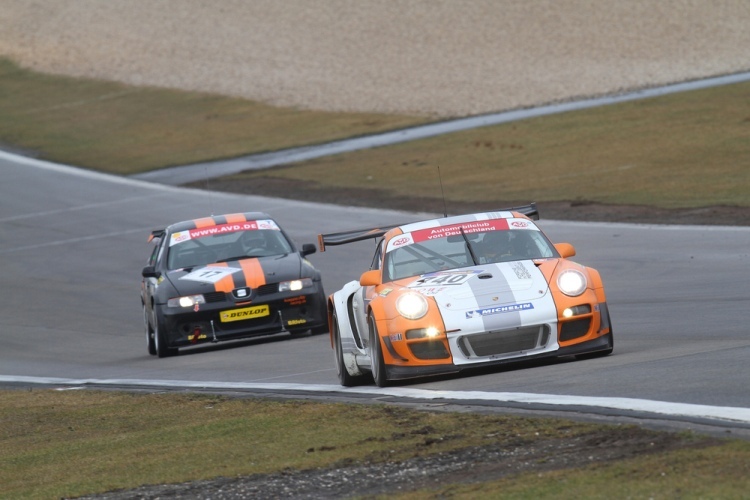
244 313
479 226
179 237
293 322
251 225
432 290
521 272
488 311
399 241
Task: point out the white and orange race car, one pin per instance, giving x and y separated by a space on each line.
458 292
228 277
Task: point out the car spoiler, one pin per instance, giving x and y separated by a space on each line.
344 237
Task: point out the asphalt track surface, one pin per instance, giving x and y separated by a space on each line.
73 242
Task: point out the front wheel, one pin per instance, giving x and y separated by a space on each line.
150 343
160 339
379 373
345 378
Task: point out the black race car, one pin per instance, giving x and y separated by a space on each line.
228 277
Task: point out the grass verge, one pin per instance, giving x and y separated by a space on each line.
69 443
690 149
684 150
124 129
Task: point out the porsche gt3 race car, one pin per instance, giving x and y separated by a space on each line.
466 291
228 277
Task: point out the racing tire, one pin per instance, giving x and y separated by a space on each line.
345 379
323 314
160 340
150 342
603 353
379 373
319 330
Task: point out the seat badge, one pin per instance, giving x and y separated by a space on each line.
241 293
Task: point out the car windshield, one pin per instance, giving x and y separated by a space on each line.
421 256
210 248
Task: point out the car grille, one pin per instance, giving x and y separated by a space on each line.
504 342
434 349
214 297
267 289
573 329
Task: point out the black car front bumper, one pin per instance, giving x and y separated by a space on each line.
228 319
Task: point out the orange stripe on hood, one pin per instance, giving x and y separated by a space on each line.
254 275
225 284
251 269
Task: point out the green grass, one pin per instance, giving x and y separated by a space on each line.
71 443
690 149
683 150
124 129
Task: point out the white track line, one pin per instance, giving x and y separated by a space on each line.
723 413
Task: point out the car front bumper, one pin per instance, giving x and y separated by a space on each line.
226 320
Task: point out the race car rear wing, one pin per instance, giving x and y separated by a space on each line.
344 237
333 239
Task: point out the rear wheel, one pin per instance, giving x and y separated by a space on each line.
150 343
345 378
160 339
379 373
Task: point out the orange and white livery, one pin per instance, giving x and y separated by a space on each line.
452 293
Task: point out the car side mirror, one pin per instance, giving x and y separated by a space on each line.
371 278
149 272
565 250
307 249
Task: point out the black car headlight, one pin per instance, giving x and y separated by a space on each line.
294 285
186 301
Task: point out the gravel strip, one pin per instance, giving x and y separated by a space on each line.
466 466
429 57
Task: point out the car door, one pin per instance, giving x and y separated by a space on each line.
362 298
148 285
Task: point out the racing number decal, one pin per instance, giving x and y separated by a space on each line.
210 274
443 278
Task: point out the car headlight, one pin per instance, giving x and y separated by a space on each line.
571 282
411 305
294 285
187 301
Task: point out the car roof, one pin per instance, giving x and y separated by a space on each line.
525 211
215 220
458 219
212 220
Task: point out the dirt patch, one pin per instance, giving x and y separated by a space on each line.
562 210
465 466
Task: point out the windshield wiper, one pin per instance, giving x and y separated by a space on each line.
239 257
468 245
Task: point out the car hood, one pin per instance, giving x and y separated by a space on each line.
226 276
493 290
